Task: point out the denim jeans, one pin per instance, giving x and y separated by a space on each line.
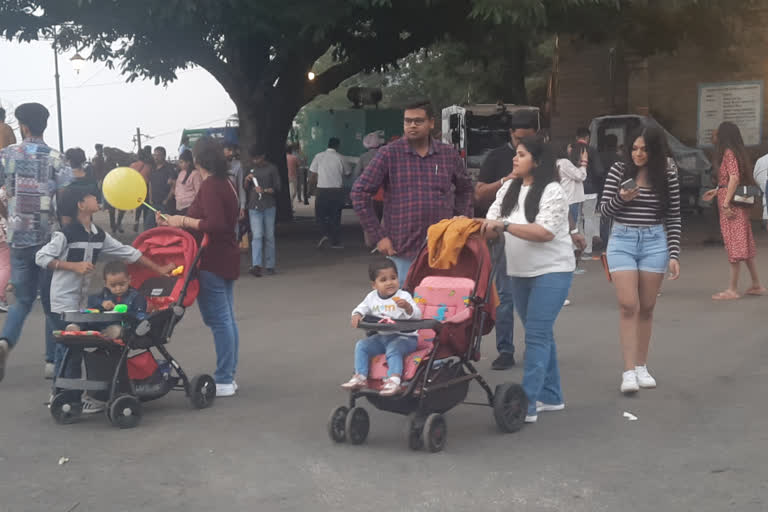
149 218
27 278
217 307
505 312
396 346
403 265
539 301
263 229
574 210
73 369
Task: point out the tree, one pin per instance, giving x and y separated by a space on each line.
260 51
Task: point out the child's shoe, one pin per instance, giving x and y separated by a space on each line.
72 328
391 386
356 382
91 405
112 332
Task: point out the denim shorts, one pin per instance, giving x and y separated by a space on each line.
638 249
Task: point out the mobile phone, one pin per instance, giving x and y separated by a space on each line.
630 184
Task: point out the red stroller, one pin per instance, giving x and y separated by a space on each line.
458 310
127 370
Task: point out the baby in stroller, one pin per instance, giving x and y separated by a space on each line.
388 302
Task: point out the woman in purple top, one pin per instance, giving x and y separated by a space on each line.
214 212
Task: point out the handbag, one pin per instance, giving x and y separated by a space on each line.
747 196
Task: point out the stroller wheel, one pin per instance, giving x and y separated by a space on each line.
509 407
63 410
415 427
435 432
357 425
337 424
202 391
125 411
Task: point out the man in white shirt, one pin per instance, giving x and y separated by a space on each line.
328 169
761 177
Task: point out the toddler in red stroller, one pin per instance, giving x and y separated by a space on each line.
125 370
457 310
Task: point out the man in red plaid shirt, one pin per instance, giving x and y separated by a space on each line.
424 182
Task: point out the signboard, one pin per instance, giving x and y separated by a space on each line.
738 102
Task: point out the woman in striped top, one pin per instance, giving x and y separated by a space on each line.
643 199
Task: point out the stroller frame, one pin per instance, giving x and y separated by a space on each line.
123 408
428 394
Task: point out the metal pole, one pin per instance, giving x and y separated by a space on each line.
58 95
138 139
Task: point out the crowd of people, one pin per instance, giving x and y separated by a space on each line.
551 207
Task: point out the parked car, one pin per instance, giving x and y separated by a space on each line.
695 169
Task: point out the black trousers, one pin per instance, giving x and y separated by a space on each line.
329 202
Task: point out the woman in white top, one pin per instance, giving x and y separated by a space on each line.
572 170
532 211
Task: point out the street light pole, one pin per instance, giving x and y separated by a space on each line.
58 94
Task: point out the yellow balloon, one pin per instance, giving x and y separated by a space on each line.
124 188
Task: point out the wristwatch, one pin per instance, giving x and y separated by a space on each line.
506 225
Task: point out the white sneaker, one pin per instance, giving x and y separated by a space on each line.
4 349
566 303
542 407
356 382
322 242
91 405
531 419
234 385
629 382
391 386
225 390
644 379
49 371
4 306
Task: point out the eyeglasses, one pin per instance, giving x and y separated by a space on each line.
416 121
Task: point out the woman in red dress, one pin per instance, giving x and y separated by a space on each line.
735 170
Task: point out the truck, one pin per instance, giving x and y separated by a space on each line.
475 130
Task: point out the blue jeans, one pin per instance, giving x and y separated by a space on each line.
403 265
27 278
73 369
149 218
396 346
263 229
575 212
217 307
505 312
539 301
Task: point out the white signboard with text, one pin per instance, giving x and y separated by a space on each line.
738 102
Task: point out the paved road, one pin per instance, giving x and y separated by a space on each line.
700 442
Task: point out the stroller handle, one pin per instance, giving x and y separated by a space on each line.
371 323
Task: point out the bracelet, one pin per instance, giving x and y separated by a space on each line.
184 222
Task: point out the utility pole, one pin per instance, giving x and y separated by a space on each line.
138 139
58 93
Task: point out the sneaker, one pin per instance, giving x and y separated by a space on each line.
225 390
587 256
49 371
505 361
644 379
391 386
270 271
531 418
4 349
567 302
255 271
3 306
542 407
322 242
356 382
92 406
234 385
579 272
629 382
72 328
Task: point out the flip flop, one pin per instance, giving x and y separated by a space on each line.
759 292
726 296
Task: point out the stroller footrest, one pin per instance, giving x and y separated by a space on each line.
85 339
86 385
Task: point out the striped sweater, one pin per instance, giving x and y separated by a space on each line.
646 209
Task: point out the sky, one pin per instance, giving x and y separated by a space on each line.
99 106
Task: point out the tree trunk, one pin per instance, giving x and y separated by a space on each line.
268 123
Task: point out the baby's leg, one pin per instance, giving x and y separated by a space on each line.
367 348
397 348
